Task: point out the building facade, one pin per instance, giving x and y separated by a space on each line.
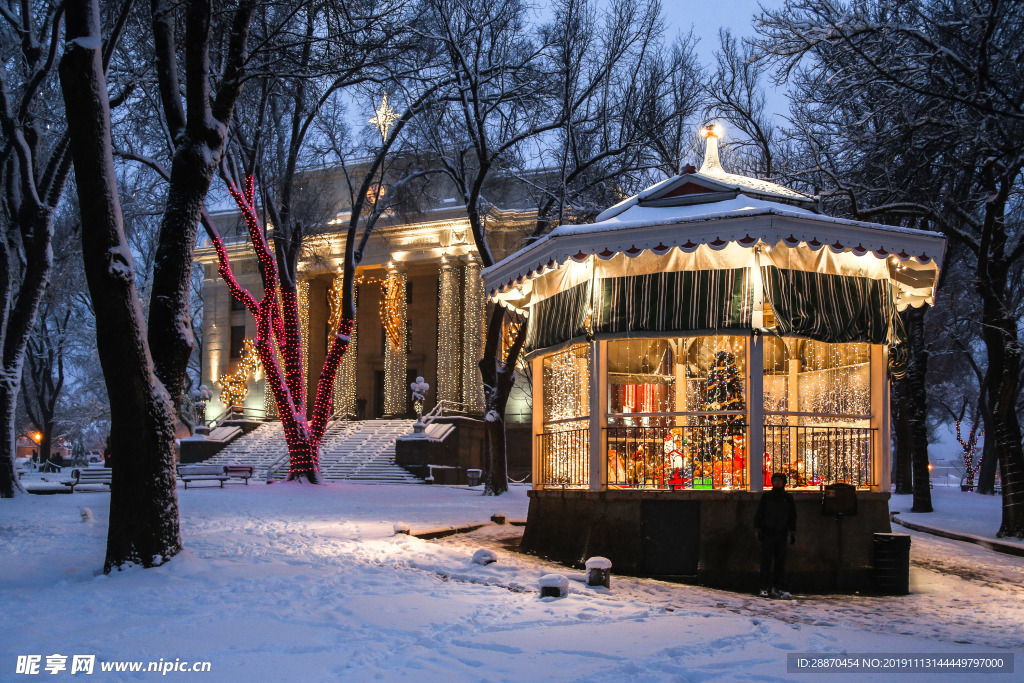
420 311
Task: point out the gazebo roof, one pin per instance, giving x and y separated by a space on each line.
700 212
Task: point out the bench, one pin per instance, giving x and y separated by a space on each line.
244 472
218 473
88 476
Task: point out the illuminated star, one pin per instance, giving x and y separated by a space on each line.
384 118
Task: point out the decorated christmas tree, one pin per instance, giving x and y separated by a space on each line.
720 438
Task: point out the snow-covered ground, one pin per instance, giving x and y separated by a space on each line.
300 583
957 511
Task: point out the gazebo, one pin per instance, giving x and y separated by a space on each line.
696 338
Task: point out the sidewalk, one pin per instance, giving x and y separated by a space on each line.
960 516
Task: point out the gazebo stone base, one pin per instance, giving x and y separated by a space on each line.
705 537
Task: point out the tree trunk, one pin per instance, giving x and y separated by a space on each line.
999 330
916 407
170 325
143 499
499 378
19 320
904 458
9 383
989 457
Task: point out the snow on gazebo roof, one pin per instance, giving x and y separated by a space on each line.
710 210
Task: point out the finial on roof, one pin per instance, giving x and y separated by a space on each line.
711 165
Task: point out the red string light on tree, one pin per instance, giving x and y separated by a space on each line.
278 344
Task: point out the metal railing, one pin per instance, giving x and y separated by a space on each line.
438 410
815 456
564 459
235 413
711 456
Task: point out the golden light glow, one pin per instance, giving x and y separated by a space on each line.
233 389
712 130
448 334
394 315
384 118
474 303
345 380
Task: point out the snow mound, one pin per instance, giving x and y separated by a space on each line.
554 585
484 556
599 563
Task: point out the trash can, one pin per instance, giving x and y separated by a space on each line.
892 564
473 477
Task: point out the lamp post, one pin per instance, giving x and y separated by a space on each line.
419 393
199 397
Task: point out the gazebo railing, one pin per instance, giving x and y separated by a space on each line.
813 456
709 456
564 458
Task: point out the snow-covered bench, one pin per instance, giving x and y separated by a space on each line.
239 472
217 473
88 476
194 473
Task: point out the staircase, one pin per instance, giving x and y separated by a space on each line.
361 451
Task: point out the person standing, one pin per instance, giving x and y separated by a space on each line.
774 521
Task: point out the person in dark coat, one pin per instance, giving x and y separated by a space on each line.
774 521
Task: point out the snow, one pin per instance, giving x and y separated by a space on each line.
484 556
598 563
292 582
957 511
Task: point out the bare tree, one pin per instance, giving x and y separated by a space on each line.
143 507
909 114
576 88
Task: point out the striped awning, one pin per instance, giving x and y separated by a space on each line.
819 306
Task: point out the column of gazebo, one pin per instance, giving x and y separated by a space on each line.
598 410
880 450
755 412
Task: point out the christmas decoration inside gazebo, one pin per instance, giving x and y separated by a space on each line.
700 336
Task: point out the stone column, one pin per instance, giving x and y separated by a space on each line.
394 312
448 387
473 337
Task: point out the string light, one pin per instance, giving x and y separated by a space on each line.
384 117
447 334
969 445
394 315
508 337
283 320
345 382
567 405
234 387
473 337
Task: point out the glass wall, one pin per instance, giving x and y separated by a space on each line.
677 413
817 404
564 445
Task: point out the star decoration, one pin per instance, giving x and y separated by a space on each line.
384 118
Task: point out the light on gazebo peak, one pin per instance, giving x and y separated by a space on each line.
711 166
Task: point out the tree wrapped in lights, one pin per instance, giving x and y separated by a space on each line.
278 343
720 436
970 446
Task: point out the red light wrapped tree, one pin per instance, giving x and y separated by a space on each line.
279 322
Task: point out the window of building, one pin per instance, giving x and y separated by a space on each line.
237 340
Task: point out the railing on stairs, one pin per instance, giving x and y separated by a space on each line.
438 410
